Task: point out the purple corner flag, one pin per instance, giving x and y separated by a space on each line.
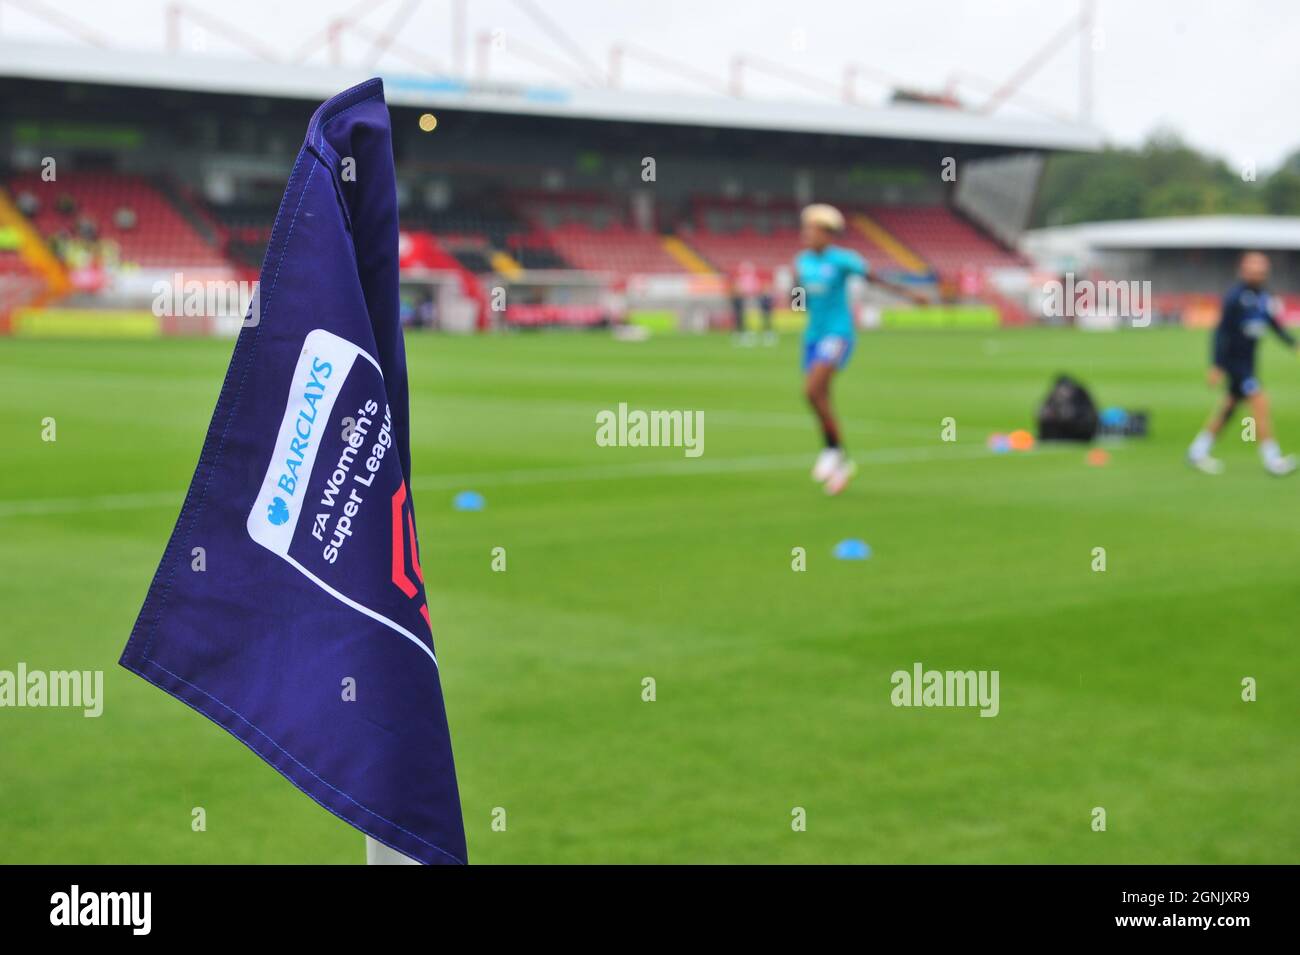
307 633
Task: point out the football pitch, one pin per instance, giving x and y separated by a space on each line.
1119 689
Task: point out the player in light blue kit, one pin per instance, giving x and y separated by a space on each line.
822 271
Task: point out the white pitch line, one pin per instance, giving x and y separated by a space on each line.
38 507
744 419
684 467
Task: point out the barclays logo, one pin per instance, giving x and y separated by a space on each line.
278 511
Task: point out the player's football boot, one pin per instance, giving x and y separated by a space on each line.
841 477
1279 467
1206 464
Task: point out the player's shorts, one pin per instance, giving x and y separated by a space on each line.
827 350
1242 382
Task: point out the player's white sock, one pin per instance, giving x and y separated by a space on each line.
827 462
1269 451
1201 445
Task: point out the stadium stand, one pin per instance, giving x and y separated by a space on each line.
124 210
727 251
730 234
475 257
945 239
588 233
552 202
536 250
490 221
615 248
19 285
515 233
30 274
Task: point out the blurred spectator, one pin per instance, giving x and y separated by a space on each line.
737 306
428 313
124 218
765 302
65 204
59 243
28 204
87 229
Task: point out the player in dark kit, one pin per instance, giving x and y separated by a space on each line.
1248 312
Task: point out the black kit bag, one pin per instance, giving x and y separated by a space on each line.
1068 413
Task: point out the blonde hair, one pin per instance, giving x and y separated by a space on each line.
821 214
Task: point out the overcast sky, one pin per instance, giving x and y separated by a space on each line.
1225 74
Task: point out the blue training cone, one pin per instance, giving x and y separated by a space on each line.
468 501
852 549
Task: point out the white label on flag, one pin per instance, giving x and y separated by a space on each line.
322 368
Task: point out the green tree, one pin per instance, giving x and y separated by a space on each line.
1163 177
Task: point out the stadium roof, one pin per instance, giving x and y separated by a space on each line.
1186 232
161 70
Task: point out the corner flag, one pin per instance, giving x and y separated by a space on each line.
304 630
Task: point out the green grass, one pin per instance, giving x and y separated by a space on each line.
1118 689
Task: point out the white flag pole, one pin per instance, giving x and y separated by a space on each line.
379 854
